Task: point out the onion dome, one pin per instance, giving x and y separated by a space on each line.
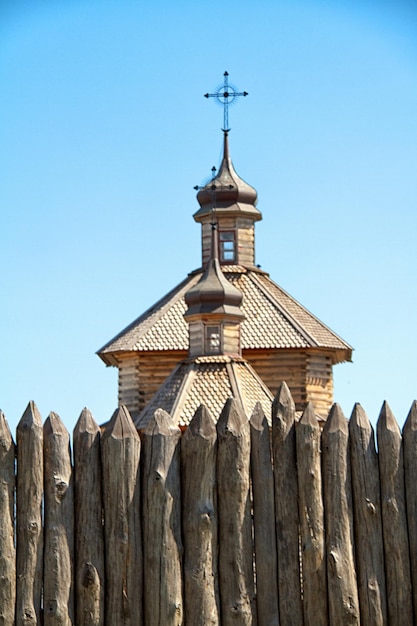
214 293
227 192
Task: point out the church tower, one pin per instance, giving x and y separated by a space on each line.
228 309
236 213
214 370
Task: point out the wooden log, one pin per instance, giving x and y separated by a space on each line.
7 549
120 456
162 545
199 520
236 579
337 492
89 538
367 520
235 525
286 507
29 529
59 525
410 473
394 520
264 520
311 511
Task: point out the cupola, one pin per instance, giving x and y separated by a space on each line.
234 203
214 312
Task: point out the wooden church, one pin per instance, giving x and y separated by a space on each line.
227 329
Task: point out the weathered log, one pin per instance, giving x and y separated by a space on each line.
7 549
311 511
162 545
410 473
263 520
59 525
89 539
199 520
337 492
367 520
120 456
394 520
29 530
235 526
286 507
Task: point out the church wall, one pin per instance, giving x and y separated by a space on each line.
245 241
308 375
196 337
231 339
274 366
319 382
129 384
153 369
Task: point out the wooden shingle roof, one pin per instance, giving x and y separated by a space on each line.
273 320
208 380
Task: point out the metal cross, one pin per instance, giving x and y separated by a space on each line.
226 95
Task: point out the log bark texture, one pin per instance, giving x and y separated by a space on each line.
163 595
394 520
29 528
7 549
311 512
89 539
235 525
367 520
341 575
199 520
264 520
410 474
286 507
120 456
59 525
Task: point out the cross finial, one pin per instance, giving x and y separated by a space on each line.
226 94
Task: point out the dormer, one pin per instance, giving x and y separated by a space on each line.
233 202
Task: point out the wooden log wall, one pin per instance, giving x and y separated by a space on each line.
233 523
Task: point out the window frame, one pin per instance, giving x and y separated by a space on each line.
209 336
222 251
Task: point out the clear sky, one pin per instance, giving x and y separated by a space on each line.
104 132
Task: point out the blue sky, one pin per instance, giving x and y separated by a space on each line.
105 131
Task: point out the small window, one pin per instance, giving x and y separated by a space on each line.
213 339
227 246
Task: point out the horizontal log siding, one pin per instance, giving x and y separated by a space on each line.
231 339
153 370
206 242
245 237
141 376
196 337
319 382
274 366
129 393
309 376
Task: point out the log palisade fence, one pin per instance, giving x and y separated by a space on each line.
234 524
